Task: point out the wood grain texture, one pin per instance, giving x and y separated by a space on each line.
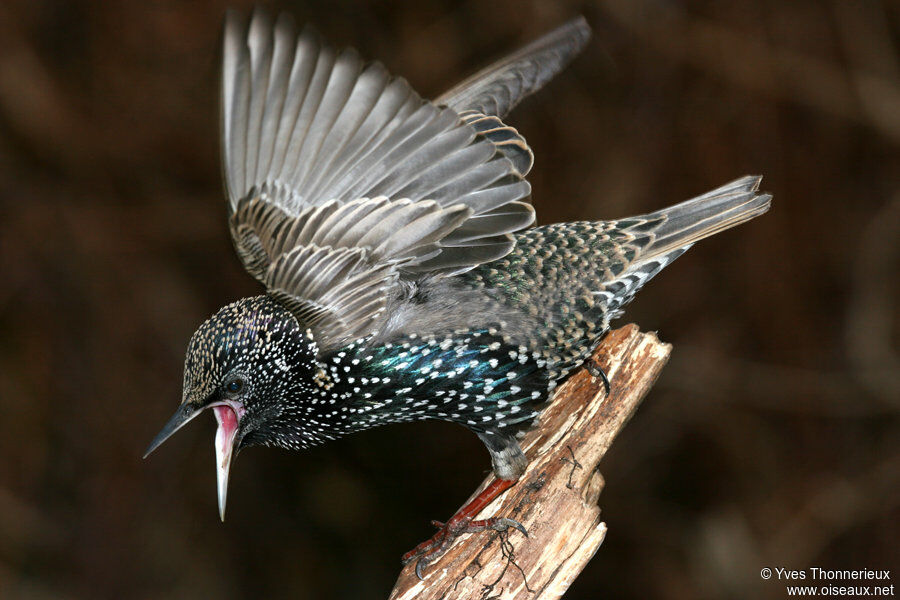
556 498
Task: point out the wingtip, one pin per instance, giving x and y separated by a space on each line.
232 15
242 26
757 179
579 24
260 13
576 31
232 27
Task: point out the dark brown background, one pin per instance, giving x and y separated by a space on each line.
770 441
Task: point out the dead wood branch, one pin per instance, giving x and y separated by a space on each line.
556 498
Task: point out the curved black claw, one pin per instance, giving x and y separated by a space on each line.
504 524
596 371
421 564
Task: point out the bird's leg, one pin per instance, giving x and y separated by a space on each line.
462 522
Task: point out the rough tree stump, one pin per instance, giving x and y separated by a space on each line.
556 498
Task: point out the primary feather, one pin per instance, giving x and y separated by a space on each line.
486 97
498 88
319 147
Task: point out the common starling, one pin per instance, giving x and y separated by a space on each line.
402 279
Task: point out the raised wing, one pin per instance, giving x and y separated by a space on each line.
341 180
487 97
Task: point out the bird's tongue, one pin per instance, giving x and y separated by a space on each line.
228 426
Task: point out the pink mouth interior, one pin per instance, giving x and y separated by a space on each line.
228 426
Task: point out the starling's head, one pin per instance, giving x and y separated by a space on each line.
253 364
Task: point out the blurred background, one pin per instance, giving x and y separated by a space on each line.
771 439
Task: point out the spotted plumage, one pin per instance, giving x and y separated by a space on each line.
469 376
392 236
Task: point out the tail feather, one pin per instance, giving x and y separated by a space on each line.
567 281
683 224
649 243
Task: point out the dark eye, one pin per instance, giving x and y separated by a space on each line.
234 386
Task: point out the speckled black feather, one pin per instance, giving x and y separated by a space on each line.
300 397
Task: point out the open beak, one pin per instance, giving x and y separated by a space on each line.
228 416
